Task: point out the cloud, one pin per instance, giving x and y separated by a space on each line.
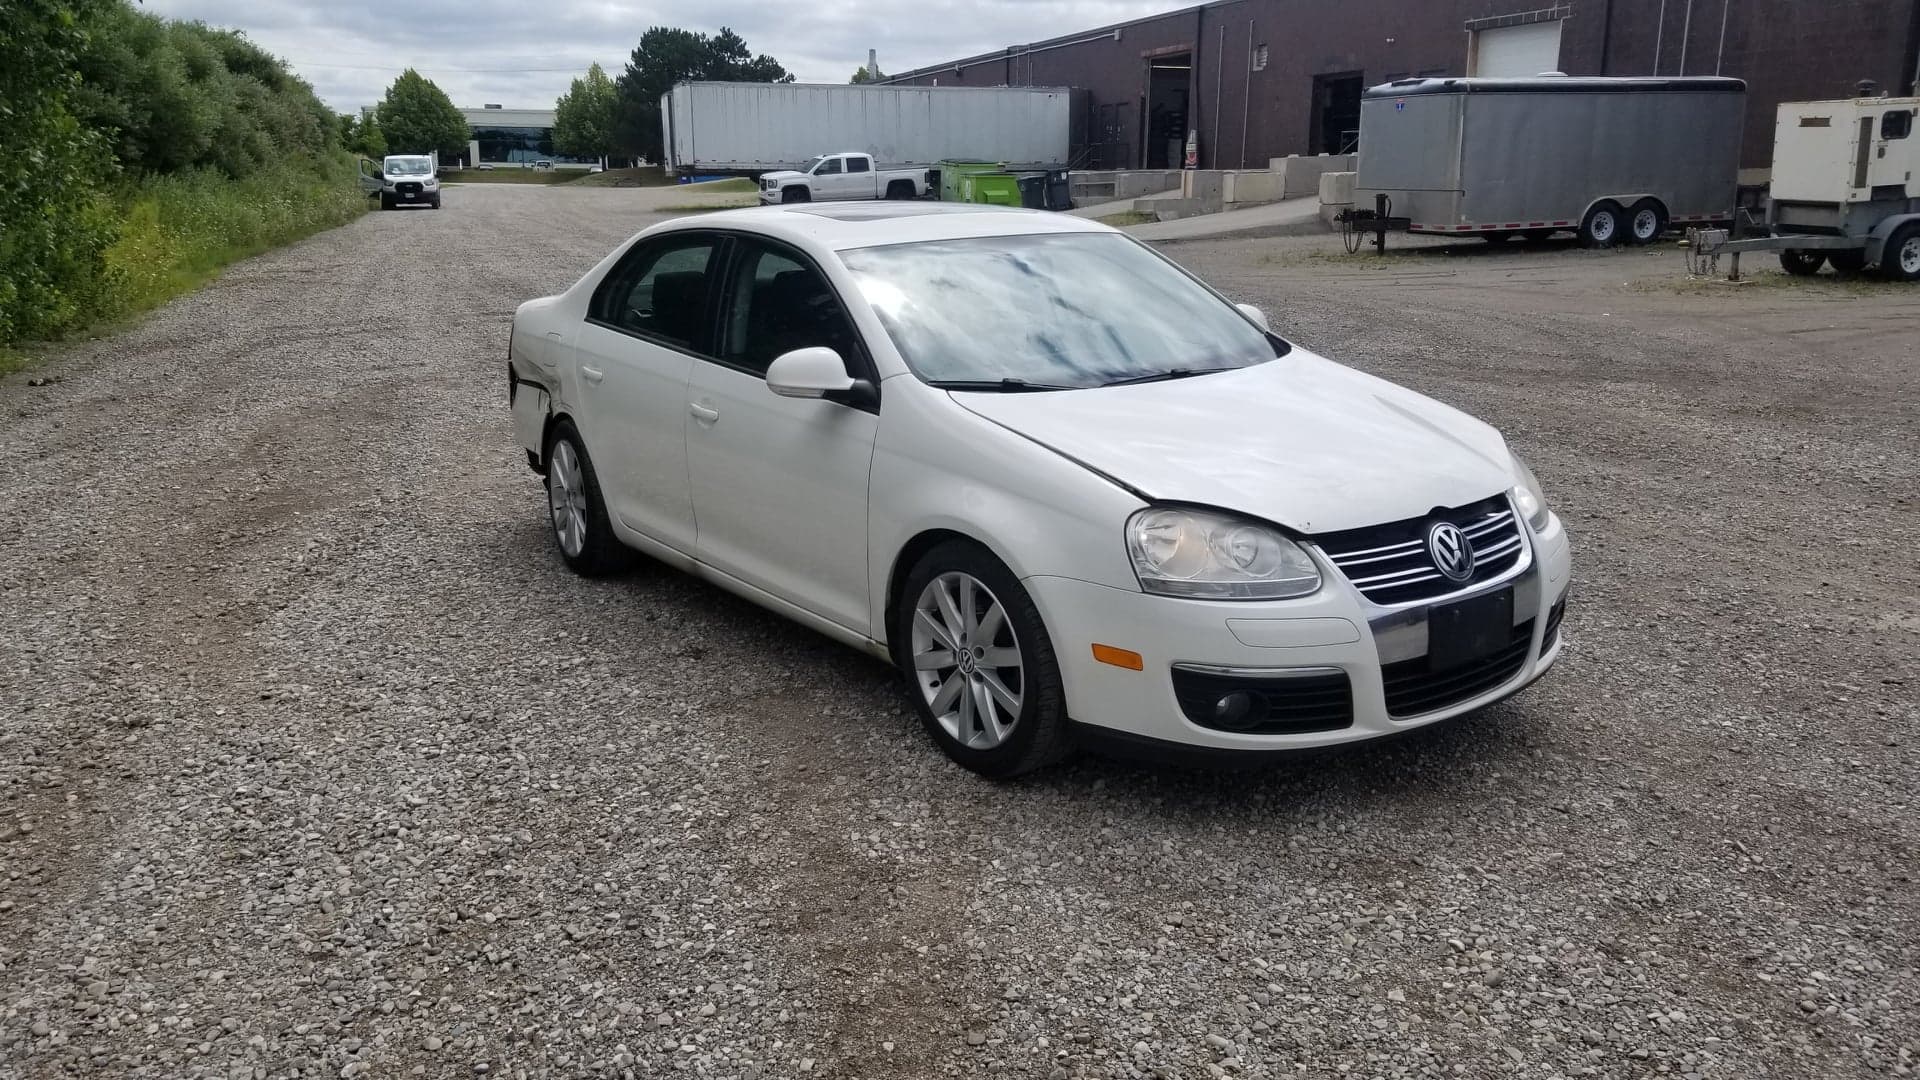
516 53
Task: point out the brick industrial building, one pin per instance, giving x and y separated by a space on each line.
1260 79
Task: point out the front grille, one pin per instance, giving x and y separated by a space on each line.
1413 690
408 187
1288 705
1554 615
1390 564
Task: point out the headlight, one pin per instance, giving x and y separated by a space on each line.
1207 555
1529 498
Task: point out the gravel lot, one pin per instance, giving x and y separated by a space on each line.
315 761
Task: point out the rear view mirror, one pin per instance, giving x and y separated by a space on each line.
808 373
1259 317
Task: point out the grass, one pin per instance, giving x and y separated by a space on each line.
514 176
648 176
1127 217
738 183
1825 285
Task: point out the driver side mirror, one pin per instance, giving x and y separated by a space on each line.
1259 317
817 372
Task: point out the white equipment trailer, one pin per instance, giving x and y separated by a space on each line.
1845 191
1615 159
720 127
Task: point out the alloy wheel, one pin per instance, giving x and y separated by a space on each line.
567 498
966 660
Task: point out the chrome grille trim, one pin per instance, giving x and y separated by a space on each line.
1401 571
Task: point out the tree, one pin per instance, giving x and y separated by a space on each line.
360 133
583 118
667 55
417 117
866 75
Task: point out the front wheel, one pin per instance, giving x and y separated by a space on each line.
985 681
1801 263
1647 221
1900 259
1601 227
796 194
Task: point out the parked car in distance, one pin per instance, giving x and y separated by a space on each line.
403 180
543 164
484 165
842 178
1066 487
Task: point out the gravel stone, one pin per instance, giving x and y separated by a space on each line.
303 725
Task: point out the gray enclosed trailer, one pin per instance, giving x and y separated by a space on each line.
1617 159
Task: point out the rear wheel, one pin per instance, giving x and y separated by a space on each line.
985 681
1801 263
1847 263
1900 259
1601 227
1646 222
796 194
575 509
900 189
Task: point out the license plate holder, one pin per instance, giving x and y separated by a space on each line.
1467 630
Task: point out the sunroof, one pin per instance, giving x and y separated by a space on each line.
884 211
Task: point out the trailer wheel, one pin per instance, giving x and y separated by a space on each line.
1601 227
796 194
1801 263
1847 263
1900 259
1648 221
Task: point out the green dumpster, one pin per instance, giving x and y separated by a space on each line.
953 172
995 189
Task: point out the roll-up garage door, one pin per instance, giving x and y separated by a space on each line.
1517 52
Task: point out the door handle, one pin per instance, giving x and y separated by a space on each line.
704 413
591 374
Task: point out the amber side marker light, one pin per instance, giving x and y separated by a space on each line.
1125 658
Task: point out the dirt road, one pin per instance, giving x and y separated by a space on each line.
315 761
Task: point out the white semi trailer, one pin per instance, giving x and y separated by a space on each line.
1845 190
721 127
1617 160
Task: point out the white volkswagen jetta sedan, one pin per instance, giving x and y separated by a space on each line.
1068 488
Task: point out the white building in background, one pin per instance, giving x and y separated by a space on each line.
497 135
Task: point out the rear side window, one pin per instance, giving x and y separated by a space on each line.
659 291
856 164
1896 125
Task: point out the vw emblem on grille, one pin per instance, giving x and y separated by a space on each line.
1452 555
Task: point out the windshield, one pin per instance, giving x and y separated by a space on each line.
409 166
1059 311
812 164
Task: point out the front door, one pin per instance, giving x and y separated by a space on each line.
645 324
780 484
830 180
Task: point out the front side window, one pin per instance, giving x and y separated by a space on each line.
1050 312
658 291
828 167
1896 125
781 304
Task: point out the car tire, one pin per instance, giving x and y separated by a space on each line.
1646 222
1847 263
796 194
435 203
386 203
1900 258
901 190
1018 723
1801 263
1602 226
576 514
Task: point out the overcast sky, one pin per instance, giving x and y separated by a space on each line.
524 52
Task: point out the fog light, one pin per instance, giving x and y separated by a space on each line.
1239 711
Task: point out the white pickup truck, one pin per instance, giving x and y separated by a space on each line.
839 178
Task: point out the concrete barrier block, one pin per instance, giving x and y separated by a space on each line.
1336 188
1251 188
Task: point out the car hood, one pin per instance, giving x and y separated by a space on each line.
783 174
1300 441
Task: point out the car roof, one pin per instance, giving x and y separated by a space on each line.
845 226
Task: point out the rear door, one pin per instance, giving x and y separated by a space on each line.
646 323
780 484
860 178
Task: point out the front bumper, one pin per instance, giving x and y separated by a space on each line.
1320 639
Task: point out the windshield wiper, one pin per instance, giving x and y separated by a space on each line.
1002 386
1167 375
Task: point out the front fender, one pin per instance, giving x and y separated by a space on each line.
938 466
1883 232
